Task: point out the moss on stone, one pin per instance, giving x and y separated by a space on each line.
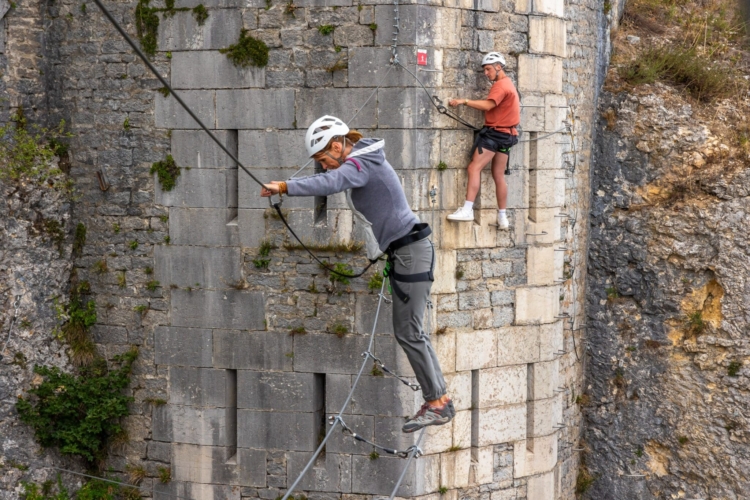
200 14
167 171
248 51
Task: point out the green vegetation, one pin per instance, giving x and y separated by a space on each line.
54 230
165 475
376 281
167 239
681 67
442 166
376 371
338 65
339 329
290 8
374 455
95 489
147 21
373 26
612 293
77 317
584 480
459 272
79 240
27 151
163 91
116 228
639 452
442 490
248 51
141 308
326 29
152 285
133 245
167 171
695 323
200 14
683 440
121 280
299 330
264 250
100 267
148 270
335 247
340 267
136 473
126 123
734 368
79 413
455 447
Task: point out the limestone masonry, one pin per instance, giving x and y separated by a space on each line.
247 401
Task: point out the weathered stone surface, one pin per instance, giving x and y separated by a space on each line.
185 266
183 346
212 70
225 309
252 350
254 108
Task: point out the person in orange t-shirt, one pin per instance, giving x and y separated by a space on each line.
502 114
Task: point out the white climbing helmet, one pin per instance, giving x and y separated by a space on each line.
493 58
320 133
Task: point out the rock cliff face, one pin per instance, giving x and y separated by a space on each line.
668 297
35 268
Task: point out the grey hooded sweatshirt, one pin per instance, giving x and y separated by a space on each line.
376 192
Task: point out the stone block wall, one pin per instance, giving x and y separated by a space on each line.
247 398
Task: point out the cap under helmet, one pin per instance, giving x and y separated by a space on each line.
493 58
320 133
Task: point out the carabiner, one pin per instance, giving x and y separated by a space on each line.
274 205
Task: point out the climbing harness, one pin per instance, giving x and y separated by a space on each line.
419 232
12 322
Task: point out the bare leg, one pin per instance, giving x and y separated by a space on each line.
478 162
498 173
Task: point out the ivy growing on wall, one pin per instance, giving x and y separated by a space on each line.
79 413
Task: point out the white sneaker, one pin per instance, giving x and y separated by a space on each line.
502 222
462 214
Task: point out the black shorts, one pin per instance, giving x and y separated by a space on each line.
492 140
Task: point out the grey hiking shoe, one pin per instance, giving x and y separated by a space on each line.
430 415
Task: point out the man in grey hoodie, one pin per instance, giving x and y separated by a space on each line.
358 166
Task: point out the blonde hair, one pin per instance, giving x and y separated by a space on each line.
353 137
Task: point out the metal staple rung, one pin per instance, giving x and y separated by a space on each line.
537 234
561 249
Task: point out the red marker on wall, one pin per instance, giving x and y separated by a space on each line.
422 57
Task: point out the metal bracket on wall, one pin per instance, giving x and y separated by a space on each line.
103 183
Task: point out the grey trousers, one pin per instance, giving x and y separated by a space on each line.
407 318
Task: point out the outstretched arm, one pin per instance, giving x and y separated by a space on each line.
347 176
481 105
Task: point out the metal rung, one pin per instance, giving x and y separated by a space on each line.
579 449
561 353
559 106
633 475
537 234
531 106
561 249
562 214
563 315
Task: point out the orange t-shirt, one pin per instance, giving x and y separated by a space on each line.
507 111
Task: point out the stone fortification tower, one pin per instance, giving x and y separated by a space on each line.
251 344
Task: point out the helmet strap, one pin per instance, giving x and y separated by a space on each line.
340 160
